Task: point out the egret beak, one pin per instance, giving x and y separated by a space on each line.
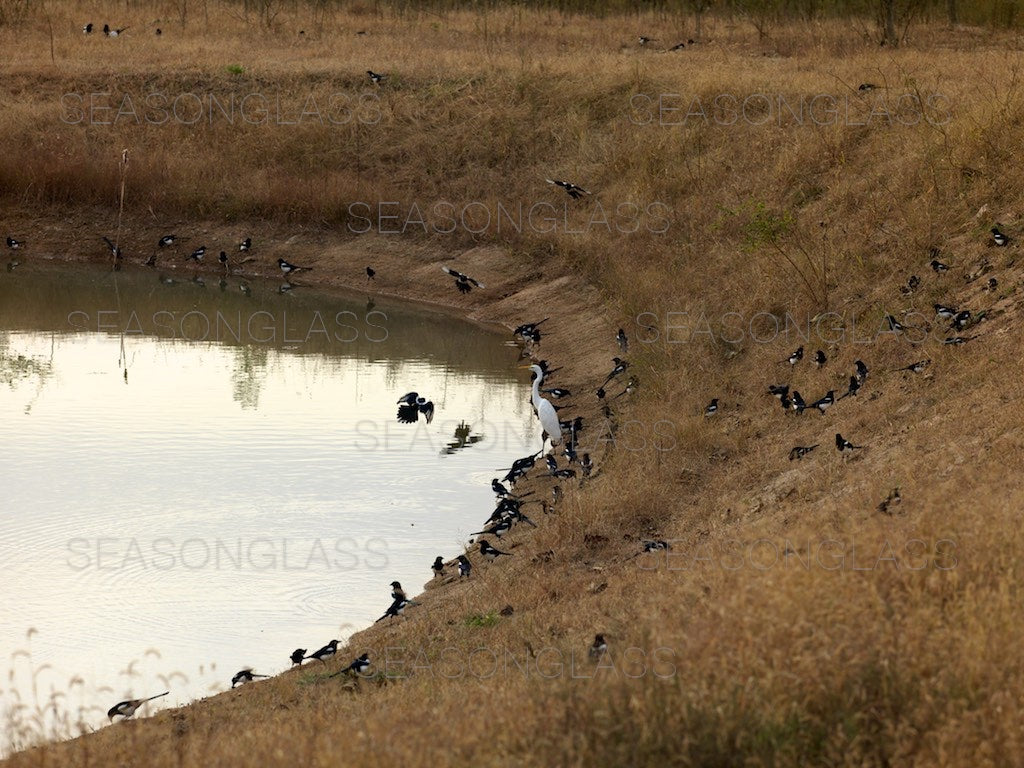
525 366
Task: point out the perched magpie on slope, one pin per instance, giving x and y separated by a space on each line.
796 357
598 648
527 328
326 652
712 408
375 78
370 273
825 402
938 266
961 320
245 245
112 32
14 244
798 403
464 566
288 268
778 390
87 29
894 325
819 358
464 283
644 40
586 464
198 253
945 312
298 655
912 285
917 367
411 405
490 552
620 366
862 371
575 191
999 239
358 666
396 608
677 47
656 545
499 529
852 389
622 341
438 567
799 451
866 87
845 446
127 708
244 676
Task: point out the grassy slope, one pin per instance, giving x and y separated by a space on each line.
912 661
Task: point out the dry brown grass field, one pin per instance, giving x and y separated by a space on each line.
794 622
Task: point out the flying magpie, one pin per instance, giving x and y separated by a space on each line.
575 191
464 283
411 405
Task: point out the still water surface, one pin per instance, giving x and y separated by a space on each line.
200 478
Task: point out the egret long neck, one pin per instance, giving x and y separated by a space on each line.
536 388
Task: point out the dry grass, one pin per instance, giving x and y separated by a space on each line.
906 654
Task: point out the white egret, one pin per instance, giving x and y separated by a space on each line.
545 410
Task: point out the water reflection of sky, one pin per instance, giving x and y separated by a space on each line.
227 503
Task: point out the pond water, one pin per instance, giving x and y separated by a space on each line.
204 477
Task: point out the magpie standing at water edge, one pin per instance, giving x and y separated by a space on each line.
127 708
438 567
298 655
288 268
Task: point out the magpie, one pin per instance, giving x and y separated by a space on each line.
359 665
677 47
533 337
843 445
991 284
866 87
166 241
464 566
575 191
656 545
852 389
159 31
945 312
799 451
223 259
587 465
598 648
297 656
961 320
527 328
115 250
798 403
112 32
499 529
464 283
87 29
498 488
623 342
245 245
644 40
620 366
245 676
490 552
819 358
556 494
127 708
894 324
712 408
396 591
552 463
796 357
938 266
14 244
438 567
288 268
785 402
917 367
396 608
374 77
912 285
198 253
893 498
411 405
557 393
998 238
955 340
862 371
326 652
370 273
780 391
826 402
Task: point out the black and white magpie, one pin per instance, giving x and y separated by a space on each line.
223 259
961 320
127 708
866 87
796 357
586 465
778 390
490 552
411 405
894 325
465 567
438 566
527 328
938 266
297 656
957 340
677 47
862 371
999 239
711 408
819 358
499 529
826 402
166 241
620 366
991 285
894 497
644 40
844 446
244 676
288 268
112 32
623 342
87 29
358 666
245 245
375 78
395 609
557 393
917 367
598 648
198 253
14 244
852 389
799 451
798 403
575 191
115 250
464 283
912 285
370 273
656 545
945 312
326 652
